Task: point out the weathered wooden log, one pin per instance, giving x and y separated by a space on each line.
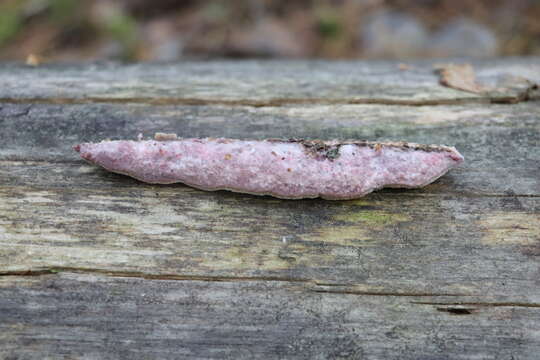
99 265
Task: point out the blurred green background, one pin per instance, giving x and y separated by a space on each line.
165 30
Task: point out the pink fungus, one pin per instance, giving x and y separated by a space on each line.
328 169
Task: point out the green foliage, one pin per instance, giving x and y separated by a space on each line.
216 11
10 20
329 26
62 11
123 28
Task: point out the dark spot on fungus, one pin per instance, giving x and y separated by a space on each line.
322 150
332 153
321 144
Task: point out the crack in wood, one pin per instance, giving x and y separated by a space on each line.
457 310
315 284
386 293
147 276
479 304
386 191
13 160
511 99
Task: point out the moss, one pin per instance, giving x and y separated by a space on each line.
344 235
371 217
357 227
263 257
358 202
504 228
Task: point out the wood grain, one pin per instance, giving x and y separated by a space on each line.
96 317
96 265
262 83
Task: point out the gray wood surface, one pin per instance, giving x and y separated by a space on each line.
263 83
96 265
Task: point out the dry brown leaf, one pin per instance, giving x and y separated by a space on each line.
460 77
33 60
404 67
